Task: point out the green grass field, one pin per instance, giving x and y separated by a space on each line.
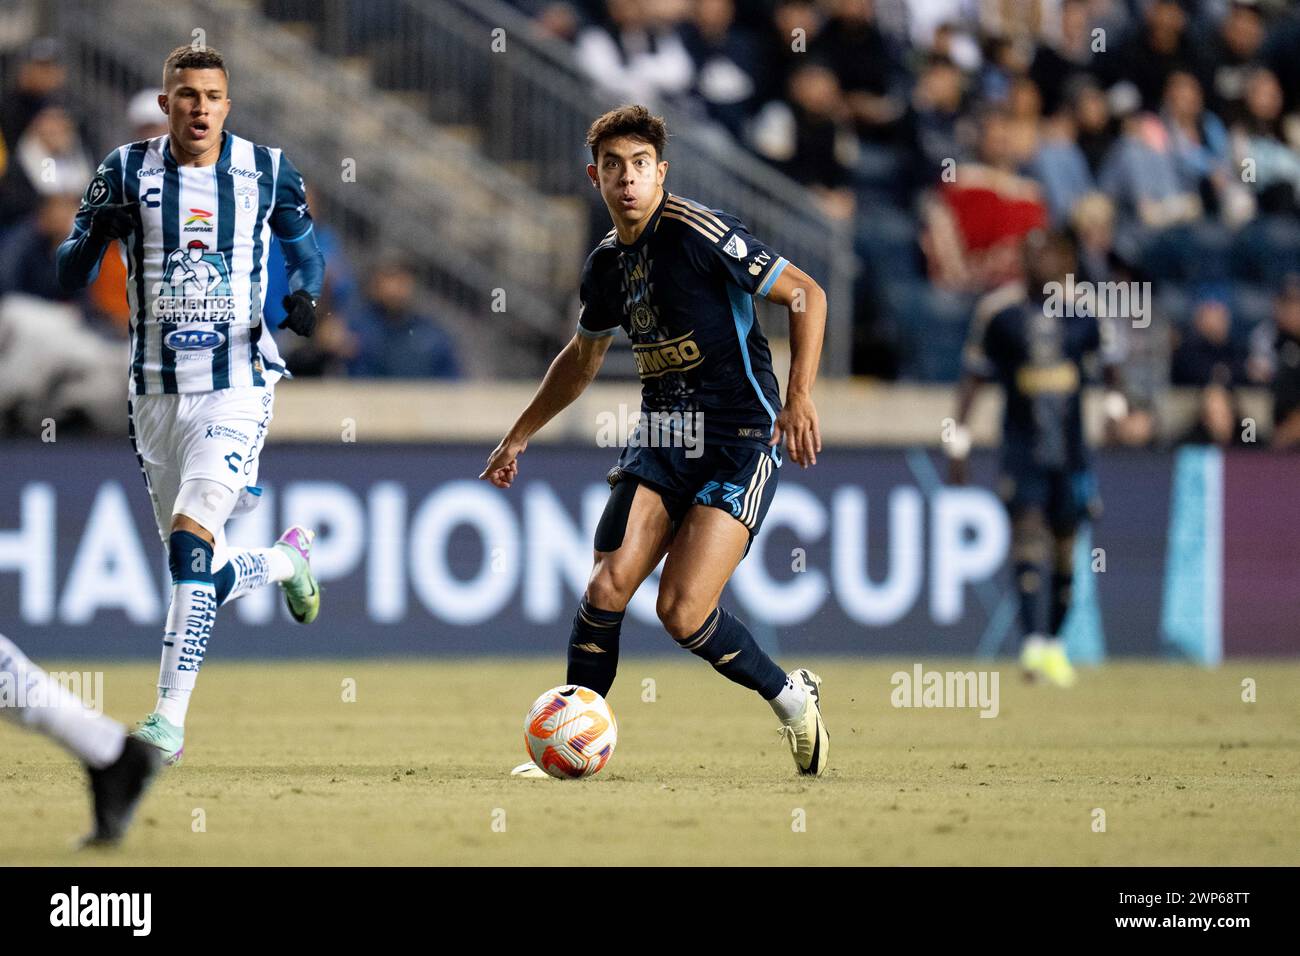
415 771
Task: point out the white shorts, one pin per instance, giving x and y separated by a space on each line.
212 435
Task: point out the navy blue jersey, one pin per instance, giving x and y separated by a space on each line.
683 292
1039 360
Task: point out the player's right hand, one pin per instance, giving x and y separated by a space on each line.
114 221
502 465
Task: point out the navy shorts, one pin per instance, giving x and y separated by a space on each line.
1066 498
737 479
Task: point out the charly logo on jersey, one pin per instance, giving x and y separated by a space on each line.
195 288
735 247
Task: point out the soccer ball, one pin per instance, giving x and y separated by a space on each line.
570 732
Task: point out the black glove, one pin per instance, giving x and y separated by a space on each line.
113 221
299 313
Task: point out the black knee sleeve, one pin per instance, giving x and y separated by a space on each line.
613 522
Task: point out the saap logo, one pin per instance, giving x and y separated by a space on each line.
193 340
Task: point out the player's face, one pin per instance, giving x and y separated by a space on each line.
629 178
196 106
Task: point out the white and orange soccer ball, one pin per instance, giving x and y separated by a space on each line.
570 732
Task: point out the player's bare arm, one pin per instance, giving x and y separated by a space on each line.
797 422
957 445
567 378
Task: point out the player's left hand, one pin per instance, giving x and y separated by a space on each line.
797 423
300 313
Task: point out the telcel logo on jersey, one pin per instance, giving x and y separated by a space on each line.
193 340
675 355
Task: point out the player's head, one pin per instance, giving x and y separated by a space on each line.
195 99
1049 257
627 164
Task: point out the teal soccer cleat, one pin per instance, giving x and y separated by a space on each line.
301 593
157 731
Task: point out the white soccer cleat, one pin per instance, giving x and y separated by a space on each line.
529 770
809 741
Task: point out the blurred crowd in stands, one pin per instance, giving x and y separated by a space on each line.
1163 134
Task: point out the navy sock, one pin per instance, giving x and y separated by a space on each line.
189 557
192 612
1062 591
1028 589
726 643
225 581
593 648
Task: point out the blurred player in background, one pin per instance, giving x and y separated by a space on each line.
195 210
1039 351
120 767
696 482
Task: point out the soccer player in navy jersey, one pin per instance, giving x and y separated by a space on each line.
195 211
695 484
1040 352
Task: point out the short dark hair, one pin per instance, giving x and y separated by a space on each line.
193 58
634 121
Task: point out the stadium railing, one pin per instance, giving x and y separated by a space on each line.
482 66
390 178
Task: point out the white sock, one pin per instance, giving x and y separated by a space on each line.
189 625
48 707
256 568
173 703
788 704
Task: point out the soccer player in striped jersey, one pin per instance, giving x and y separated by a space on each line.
699 475
195 211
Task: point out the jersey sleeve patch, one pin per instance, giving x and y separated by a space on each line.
98 192
730 249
